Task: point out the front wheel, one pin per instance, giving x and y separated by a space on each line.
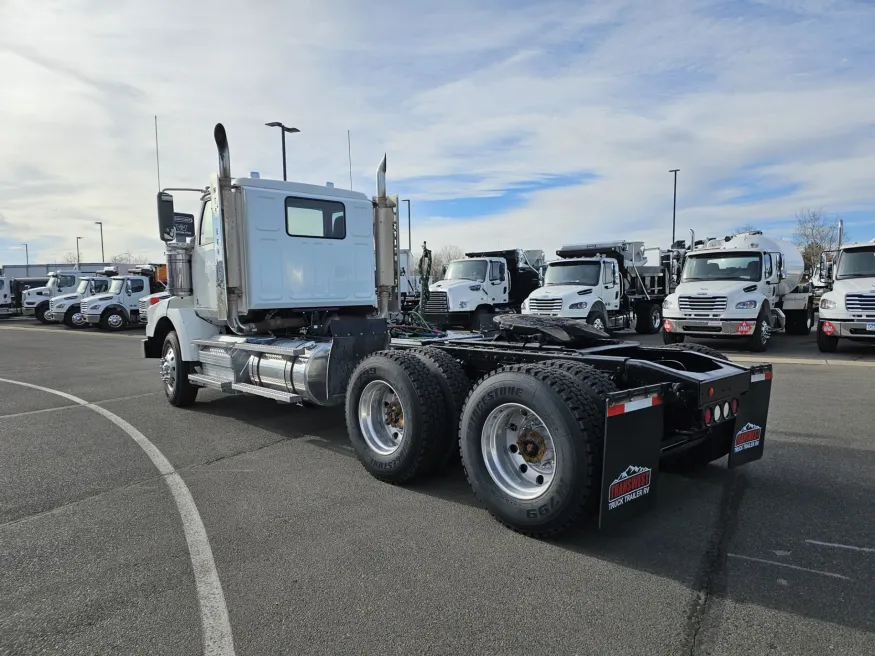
597 319
113 319
649 320
826 343
40 314
73 318
174 374
762 333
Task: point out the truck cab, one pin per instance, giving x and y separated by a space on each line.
847 309
6 305
481 285
609 285
746 286
67 308
119 306
35 302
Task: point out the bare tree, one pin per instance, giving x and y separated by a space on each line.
68 258
443 256
815 232
129 258
747 227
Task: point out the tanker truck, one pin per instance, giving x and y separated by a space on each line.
745 286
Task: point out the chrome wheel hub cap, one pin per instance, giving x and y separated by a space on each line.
114 320
167 369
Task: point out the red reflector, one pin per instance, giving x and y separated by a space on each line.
667 325
631 406
733 404
614 410
710 392
707 415
768 375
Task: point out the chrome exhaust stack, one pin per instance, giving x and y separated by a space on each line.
841 231
385 236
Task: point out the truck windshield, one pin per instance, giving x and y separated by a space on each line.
467 270
116 285
723 266
99 286
857 263
53 282
82 286
573 273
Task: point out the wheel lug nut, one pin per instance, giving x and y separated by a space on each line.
524 468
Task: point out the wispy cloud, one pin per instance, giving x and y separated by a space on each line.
505 121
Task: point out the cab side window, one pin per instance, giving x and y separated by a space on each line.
66 281
137 286
496 271
767 266
607 273
205 233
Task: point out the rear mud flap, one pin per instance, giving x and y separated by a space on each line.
632 446
352 340
749 437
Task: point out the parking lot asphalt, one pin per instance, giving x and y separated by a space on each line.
316 557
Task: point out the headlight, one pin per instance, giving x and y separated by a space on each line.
746 305
826 304
668 303
475 288
577 306
60 306
525 305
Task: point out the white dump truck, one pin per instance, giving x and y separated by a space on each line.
276 297
35 302
119 306
66 308
745 286
483 284
847 308
609 284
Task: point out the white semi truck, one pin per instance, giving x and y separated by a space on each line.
35 302
119 306
847 308
276 298
746 286
608 284
475 289
66 308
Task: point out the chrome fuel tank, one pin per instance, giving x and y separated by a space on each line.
298 366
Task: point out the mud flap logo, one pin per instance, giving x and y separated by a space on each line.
631 484
748 437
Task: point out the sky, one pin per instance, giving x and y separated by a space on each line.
507 123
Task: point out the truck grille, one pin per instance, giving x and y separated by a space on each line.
860 302
83 308
702 303
437 302
551 306
142 306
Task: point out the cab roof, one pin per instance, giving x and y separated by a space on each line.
301 188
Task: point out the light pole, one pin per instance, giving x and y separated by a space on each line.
409 242
102 256
77 251
26 261
283 130
674 204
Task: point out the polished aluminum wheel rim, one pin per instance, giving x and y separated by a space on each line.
765 332
167 368
381 417
518 451
114 320
597 323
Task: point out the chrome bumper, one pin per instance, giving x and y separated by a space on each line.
713 327
842 328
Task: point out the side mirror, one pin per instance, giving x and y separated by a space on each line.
166 217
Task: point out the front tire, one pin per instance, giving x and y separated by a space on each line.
40 313
74 319
826 343
174 374
758 342
395 417
649 321
598 319
113 319
530 439
799 322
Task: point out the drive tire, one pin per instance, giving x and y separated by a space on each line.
423 441
576 427
759 340
595 383
40 313
455 385
181 393
68 319
112 320
826 343
697 348
649 322
800 322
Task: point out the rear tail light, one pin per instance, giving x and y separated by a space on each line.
707 415
154 300
733 405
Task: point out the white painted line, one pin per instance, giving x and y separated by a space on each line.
787 565
216 626
96 332
841 546
75 405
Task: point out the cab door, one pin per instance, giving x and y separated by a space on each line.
610 285
496 283
203 261
135 289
